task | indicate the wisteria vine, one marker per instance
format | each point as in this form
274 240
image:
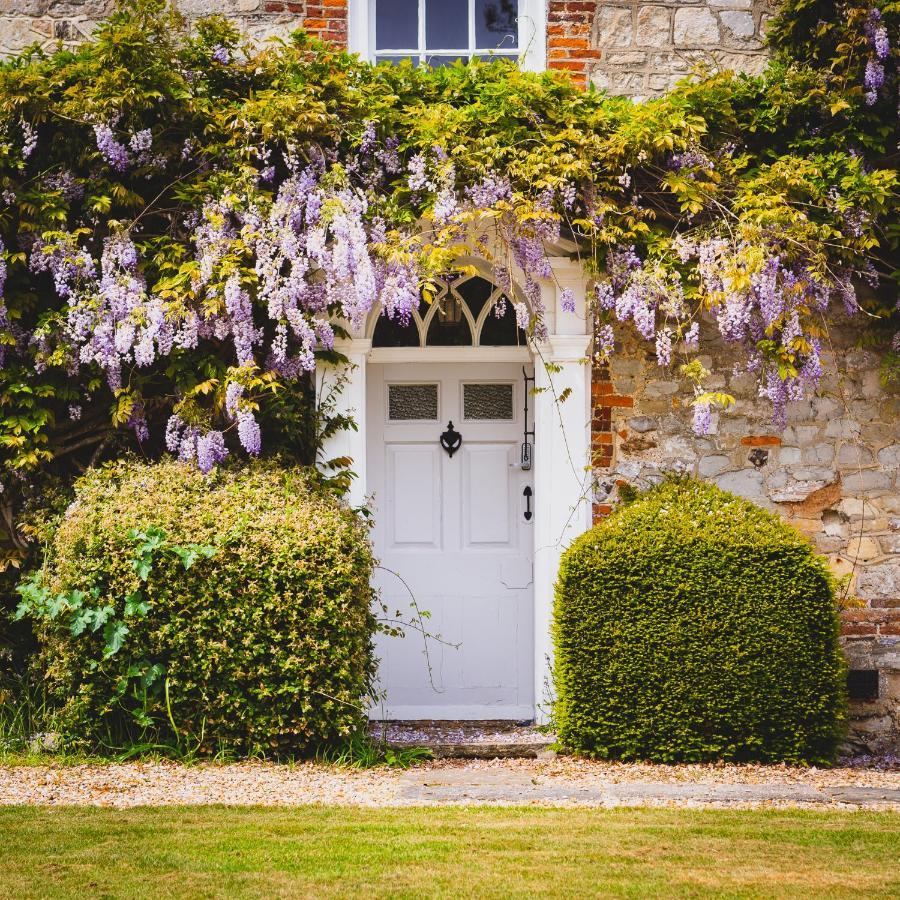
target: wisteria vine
170 242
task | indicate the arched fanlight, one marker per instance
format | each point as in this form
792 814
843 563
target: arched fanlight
462 314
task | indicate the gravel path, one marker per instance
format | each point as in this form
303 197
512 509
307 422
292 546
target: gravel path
555 782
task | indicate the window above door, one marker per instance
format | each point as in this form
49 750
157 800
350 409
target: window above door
468 312
438 32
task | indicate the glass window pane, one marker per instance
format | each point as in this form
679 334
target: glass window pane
449 327
446 24
396 24
493 57
408 402
390 333
502 331
488 401
496 24
437 61
396 59
476 292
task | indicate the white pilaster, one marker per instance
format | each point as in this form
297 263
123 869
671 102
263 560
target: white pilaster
562 490
348 399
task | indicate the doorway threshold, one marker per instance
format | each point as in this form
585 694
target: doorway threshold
467 739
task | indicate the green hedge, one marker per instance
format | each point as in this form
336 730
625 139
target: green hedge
234 607
693 625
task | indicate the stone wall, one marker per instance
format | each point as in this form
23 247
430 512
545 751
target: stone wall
645 47
833 473
24 22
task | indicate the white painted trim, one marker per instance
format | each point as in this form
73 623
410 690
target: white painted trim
562 481
351 402
449 354
533 34
358 28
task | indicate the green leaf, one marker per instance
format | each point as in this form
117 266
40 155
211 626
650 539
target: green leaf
136 605
114 634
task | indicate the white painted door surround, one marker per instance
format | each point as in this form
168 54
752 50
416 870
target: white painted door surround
561 500
454 532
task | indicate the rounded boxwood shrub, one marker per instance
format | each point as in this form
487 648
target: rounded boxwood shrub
228 611
692 625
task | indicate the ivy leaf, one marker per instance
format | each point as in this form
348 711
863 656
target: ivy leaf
136 605
153 674
190 554
80 623
114 635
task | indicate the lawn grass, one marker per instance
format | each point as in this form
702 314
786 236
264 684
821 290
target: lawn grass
445 852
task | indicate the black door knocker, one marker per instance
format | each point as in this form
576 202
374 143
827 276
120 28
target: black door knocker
451 439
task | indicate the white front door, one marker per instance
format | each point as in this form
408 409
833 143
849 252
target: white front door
454 534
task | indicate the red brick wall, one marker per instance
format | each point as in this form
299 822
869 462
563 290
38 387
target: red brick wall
326 19
569 26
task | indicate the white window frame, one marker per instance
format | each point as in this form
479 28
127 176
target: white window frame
531 53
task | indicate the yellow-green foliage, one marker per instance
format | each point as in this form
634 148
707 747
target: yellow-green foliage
263 646
693 625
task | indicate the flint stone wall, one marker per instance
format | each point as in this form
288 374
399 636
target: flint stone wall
646 47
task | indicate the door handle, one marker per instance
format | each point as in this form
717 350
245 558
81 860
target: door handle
527 494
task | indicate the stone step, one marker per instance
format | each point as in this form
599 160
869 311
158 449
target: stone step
495 739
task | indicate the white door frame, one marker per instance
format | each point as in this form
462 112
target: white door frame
562 452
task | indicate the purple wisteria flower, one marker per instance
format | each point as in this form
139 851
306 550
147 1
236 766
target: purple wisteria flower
137 422
489 192
689 159
877 33
567 300
233 394
692 336
417 179
3 313
604 343
174 427
664 347
874 80
211 451
369 138
66 183
29 138
703 421
115 154
249 433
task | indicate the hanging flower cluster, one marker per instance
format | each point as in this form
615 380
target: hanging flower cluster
880 47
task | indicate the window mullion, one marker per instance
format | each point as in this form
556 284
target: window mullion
471 28
422 47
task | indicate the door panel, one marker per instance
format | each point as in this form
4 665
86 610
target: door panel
452 539
487 496
413 496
